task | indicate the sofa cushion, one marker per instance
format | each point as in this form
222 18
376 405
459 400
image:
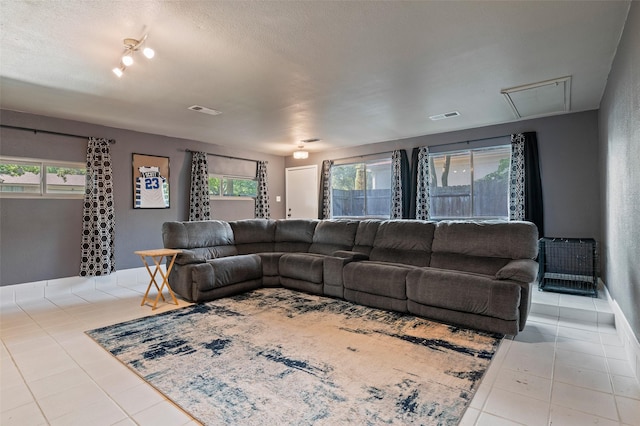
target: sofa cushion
463 262
204 240
188 235
331 236
302 266
294 235
254 235
366 235
236 269
379 278
403 241
509 240
458 291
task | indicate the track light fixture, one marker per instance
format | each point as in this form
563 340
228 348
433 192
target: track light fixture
131 45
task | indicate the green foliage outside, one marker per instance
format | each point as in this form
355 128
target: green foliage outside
350 177
502 174
20 169
234 187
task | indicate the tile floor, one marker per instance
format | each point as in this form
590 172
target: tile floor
567 368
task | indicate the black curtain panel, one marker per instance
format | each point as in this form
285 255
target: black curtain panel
525 192
534 211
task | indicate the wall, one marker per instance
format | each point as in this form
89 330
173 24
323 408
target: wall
619 124
568 149
40 238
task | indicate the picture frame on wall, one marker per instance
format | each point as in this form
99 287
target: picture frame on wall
150 182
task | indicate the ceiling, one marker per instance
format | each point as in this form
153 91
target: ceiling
348 73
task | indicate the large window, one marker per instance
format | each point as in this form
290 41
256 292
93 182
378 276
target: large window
31 178
472 183
361 189
229 186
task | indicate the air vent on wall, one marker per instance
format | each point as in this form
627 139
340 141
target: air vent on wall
445 115
545 97
204 110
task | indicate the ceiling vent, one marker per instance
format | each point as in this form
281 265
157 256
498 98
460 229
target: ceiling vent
445 115
204 110
545 97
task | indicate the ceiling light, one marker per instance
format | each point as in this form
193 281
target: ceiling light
127 60
131 45
300 154
149 52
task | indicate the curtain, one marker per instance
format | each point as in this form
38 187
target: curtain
525 185
325 189
422 184
98 219
199 206
262 197
400 185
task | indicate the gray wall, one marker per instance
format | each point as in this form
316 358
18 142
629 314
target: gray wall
40 239
568 148
619 124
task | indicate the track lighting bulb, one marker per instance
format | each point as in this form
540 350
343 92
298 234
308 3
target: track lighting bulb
127 59
148 52
118 71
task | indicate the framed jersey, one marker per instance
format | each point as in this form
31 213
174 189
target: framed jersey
150 182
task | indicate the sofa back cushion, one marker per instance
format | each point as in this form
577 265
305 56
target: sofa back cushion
482 247
333 235
403 241
254 235
366 235
294 235
206 240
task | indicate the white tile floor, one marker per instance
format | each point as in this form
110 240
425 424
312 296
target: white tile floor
567 368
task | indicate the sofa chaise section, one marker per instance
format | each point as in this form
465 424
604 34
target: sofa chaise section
480 275
209 266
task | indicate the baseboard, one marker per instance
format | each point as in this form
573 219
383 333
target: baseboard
60 286
628 338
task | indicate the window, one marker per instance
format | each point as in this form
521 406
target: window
361 189
230 186
30 178
471 183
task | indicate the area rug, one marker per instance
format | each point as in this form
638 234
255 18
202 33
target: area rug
280 357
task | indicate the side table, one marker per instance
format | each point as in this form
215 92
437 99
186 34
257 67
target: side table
157 256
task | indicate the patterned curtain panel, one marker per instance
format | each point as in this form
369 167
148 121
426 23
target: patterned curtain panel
326 189
98 256
422 184
400 185
516 178
525 191
199 206
262 197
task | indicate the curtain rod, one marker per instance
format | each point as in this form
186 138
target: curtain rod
467 142
362 156
49 132
223 156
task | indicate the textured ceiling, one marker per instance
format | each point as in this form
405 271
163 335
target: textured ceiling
349 73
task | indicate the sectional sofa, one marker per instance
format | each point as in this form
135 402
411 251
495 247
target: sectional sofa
473 274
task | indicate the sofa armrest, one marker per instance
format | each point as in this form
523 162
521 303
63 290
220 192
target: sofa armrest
187 257
333 266
523 270
349 255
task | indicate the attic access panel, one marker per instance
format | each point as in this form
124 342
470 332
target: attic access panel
545 97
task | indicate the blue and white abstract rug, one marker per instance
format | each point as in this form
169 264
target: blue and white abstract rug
281 357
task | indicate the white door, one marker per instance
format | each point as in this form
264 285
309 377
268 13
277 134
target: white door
302 192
